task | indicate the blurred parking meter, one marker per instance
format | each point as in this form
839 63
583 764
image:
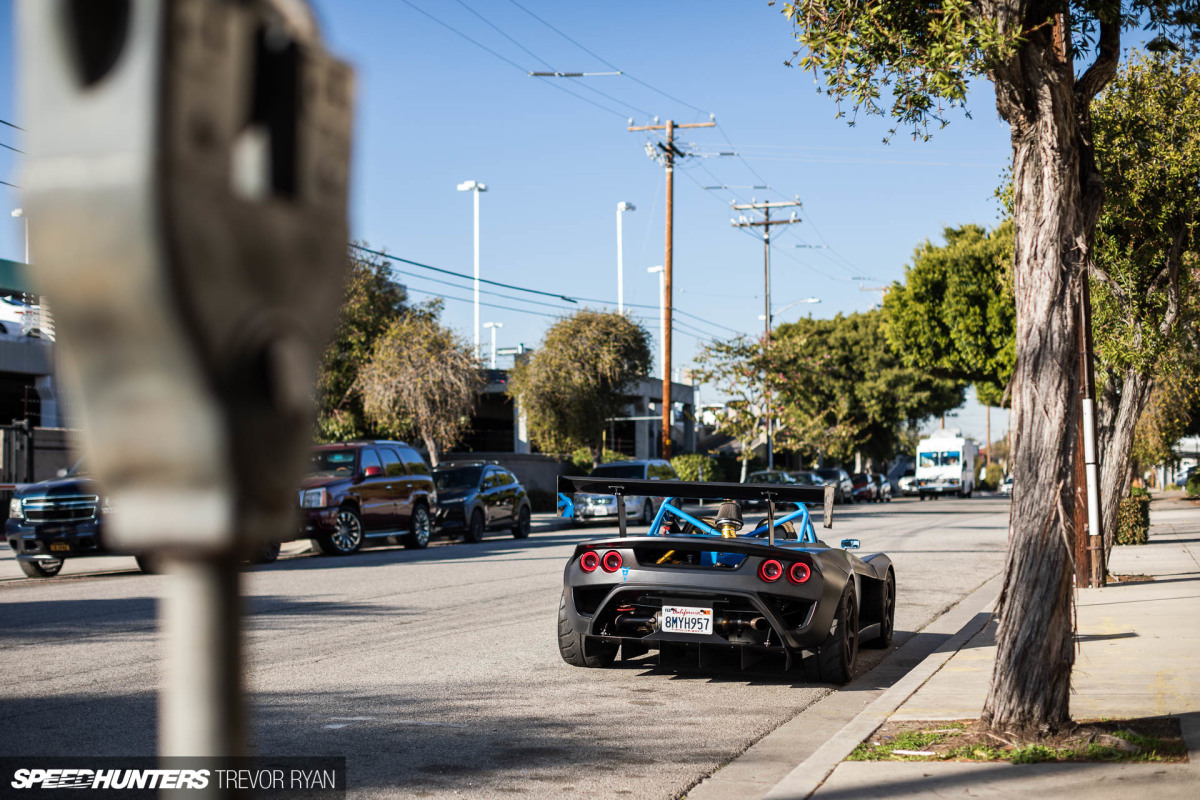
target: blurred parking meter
188 173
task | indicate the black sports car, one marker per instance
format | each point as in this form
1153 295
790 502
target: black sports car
699 589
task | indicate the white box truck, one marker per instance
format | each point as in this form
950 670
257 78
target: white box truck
946 465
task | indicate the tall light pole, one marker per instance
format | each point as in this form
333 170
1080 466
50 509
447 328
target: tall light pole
493 326
785 308
19 213
621 207
660 270
476 187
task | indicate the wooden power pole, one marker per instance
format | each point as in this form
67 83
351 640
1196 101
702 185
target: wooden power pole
668 151
765 223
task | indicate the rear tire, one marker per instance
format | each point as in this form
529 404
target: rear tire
41 568
887 614
835 659
523 526
267 554
579 650
474 530
419 529
647 511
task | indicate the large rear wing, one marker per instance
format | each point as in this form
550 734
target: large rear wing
704 490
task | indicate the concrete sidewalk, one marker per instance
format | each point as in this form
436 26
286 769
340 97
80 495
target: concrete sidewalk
1138 656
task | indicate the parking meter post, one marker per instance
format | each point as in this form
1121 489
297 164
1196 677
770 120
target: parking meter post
202 706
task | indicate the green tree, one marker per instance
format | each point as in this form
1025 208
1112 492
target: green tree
838 388
953 315
1147 125
579 378
735 368
373 301
922 57
422 379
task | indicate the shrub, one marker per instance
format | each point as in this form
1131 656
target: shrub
1133 517
583 461
1193 485
994 475
696 467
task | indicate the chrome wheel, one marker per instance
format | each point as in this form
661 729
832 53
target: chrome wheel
349 534
420 529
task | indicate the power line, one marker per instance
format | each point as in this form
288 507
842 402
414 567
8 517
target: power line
608 63
563 297
9 124
506 59
13 185
10 147
391 257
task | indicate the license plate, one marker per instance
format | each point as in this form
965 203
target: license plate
687 619
60 547
600 512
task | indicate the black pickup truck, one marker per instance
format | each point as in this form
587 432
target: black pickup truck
54 520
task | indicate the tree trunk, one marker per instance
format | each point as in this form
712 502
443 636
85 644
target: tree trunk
1056 205
432 447
1119 418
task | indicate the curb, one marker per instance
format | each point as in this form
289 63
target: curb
819 736
967 618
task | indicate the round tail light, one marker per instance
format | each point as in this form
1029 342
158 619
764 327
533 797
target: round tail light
770 571
589 561
799 572
611 561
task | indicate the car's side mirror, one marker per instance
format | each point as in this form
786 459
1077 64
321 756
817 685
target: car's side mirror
372 472
851 544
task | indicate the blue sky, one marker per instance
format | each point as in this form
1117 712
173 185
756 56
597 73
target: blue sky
435 109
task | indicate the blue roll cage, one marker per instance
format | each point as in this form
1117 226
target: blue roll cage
807 533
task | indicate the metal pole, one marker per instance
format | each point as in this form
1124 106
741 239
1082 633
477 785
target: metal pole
767 327
201 695
666 404
476 193
1092 477
620 263
987 458
494 346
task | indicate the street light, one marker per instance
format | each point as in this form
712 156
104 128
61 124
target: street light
621 206
789 305
662 306
19 213
493 326
476 187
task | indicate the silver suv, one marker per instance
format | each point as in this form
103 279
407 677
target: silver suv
604 506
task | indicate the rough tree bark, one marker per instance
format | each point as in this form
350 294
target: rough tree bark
1058 195
1120 410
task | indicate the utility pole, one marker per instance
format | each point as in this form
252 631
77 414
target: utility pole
765 223
667 152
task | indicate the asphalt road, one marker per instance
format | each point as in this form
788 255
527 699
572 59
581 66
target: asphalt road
437 672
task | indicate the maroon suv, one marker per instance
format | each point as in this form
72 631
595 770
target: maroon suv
366 490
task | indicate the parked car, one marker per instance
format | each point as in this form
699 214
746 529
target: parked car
476 496
604 506
806 477
1006 486
908 483
865 489
840 480
767 476
883 488
359 491
54 520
